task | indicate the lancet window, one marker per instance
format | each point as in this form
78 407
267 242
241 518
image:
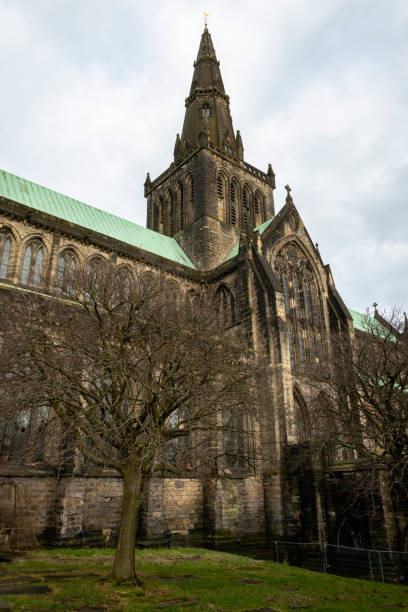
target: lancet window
238 437
5 250
233 202
94 275
246 208
190 184
221 198
225 305
220 186
32 267
180 203
160 212
124 281
26 435
67 265
258 209
302 307
169 216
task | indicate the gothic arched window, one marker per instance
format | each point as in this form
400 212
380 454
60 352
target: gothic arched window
221 198
66 271
225 305
124 282
32 264
235 446
228 146
302 306
246 208
258 209
94 277
160 212
180 202
220 186
5 250
169 214
233 202
190 183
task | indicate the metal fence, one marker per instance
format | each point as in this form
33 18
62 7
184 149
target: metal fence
380 565
364 563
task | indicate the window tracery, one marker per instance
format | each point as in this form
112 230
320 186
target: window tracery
5 250
302 307
94 275
124 282
32 264
66 271
238 441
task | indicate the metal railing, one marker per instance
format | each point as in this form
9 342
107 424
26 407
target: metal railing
365 563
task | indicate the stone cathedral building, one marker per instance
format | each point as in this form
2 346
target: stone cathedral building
210 218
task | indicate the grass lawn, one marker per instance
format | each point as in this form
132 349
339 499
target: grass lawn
183 579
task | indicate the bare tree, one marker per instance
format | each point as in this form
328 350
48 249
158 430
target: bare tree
360 410
129 367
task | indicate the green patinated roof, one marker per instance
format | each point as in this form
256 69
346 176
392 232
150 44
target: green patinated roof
359 320
233 252
61 206
261 228
366 323
235 249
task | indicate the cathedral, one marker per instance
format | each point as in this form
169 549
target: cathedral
210 219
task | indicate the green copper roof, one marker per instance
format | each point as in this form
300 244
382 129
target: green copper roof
235 249
366 323
233 252
261 228
359 320
61 206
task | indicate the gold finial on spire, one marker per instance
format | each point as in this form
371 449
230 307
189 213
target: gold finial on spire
205 18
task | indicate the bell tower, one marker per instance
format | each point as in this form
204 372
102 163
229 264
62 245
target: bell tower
209 195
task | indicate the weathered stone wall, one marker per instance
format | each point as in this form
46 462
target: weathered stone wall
173 504
242 504
27 508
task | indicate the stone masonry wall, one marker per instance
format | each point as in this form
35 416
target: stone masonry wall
27 508
174 504
242 506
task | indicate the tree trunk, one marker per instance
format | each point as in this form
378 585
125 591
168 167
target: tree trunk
124 566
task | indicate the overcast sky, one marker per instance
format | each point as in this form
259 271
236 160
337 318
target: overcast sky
92 95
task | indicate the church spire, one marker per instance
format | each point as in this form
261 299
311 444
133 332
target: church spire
207 72
207 107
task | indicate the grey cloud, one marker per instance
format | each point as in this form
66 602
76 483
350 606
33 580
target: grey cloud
92 98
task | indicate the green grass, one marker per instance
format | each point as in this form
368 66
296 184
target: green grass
188 579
